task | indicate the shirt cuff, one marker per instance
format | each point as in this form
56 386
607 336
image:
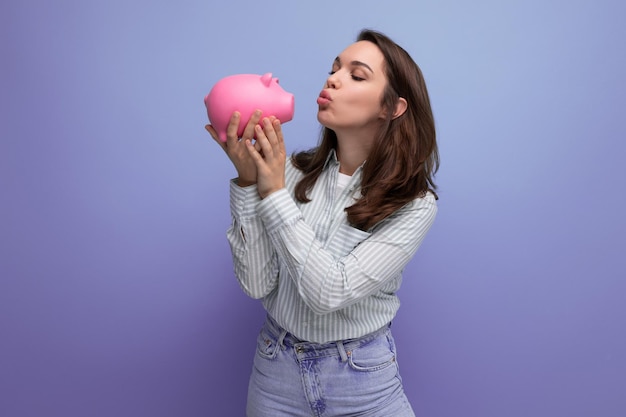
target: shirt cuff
243 200
278 209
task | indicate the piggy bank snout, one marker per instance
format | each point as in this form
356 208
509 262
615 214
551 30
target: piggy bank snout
284 108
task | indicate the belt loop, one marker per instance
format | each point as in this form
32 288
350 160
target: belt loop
342 351
281 339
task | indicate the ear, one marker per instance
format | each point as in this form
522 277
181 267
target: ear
400 108
398 111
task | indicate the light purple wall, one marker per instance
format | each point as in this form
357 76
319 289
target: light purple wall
117 296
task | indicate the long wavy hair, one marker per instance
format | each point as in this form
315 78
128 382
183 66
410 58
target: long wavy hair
404 158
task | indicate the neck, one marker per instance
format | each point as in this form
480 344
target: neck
352 151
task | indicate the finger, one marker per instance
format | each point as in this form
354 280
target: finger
278 128
231 129
267 140
215 136
262 141
211 131
268 130
248 132
254 154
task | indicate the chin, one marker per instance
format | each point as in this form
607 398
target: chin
323 118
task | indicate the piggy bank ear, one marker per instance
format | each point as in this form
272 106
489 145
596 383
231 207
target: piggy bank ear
266 79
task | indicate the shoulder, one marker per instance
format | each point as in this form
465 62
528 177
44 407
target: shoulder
407 227
426 202
419 212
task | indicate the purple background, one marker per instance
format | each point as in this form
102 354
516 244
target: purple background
117 296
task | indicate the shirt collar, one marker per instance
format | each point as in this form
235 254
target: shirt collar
331 160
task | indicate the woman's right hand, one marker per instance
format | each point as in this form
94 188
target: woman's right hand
235 147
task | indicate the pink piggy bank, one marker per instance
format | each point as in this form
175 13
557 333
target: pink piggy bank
245 93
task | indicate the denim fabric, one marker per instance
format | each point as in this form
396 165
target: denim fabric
357 377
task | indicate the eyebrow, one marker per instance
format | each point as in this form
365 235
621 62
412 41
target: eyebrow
356 63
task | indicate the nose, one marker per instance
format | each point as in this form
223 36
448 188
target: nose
332 81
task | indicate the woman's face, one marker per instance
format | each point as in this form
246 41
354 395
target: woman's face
352 96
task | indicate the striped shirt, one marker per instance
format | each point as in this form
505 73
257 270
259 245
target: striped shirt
319 278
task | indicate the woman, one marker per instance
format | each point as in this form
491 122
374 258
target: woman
322 238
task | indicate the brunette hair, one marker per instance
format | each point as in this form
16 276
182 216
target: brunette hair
404 157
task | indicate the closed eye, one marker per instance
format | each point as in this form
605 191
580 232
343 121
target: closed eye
354 77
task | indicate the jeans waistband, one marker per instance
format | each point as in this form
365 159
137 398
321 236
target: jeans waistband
342 347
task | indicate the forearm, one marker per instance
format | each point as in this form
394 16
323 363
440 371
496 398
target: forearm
254 260
329 278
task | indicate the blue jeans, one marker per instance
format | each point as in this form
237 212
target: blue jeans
356 377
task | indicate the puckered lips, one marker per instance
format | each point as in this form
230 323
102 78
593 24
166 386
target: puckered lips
324 98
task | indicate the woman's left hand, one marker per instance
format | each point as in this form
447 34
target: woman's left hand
270 161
